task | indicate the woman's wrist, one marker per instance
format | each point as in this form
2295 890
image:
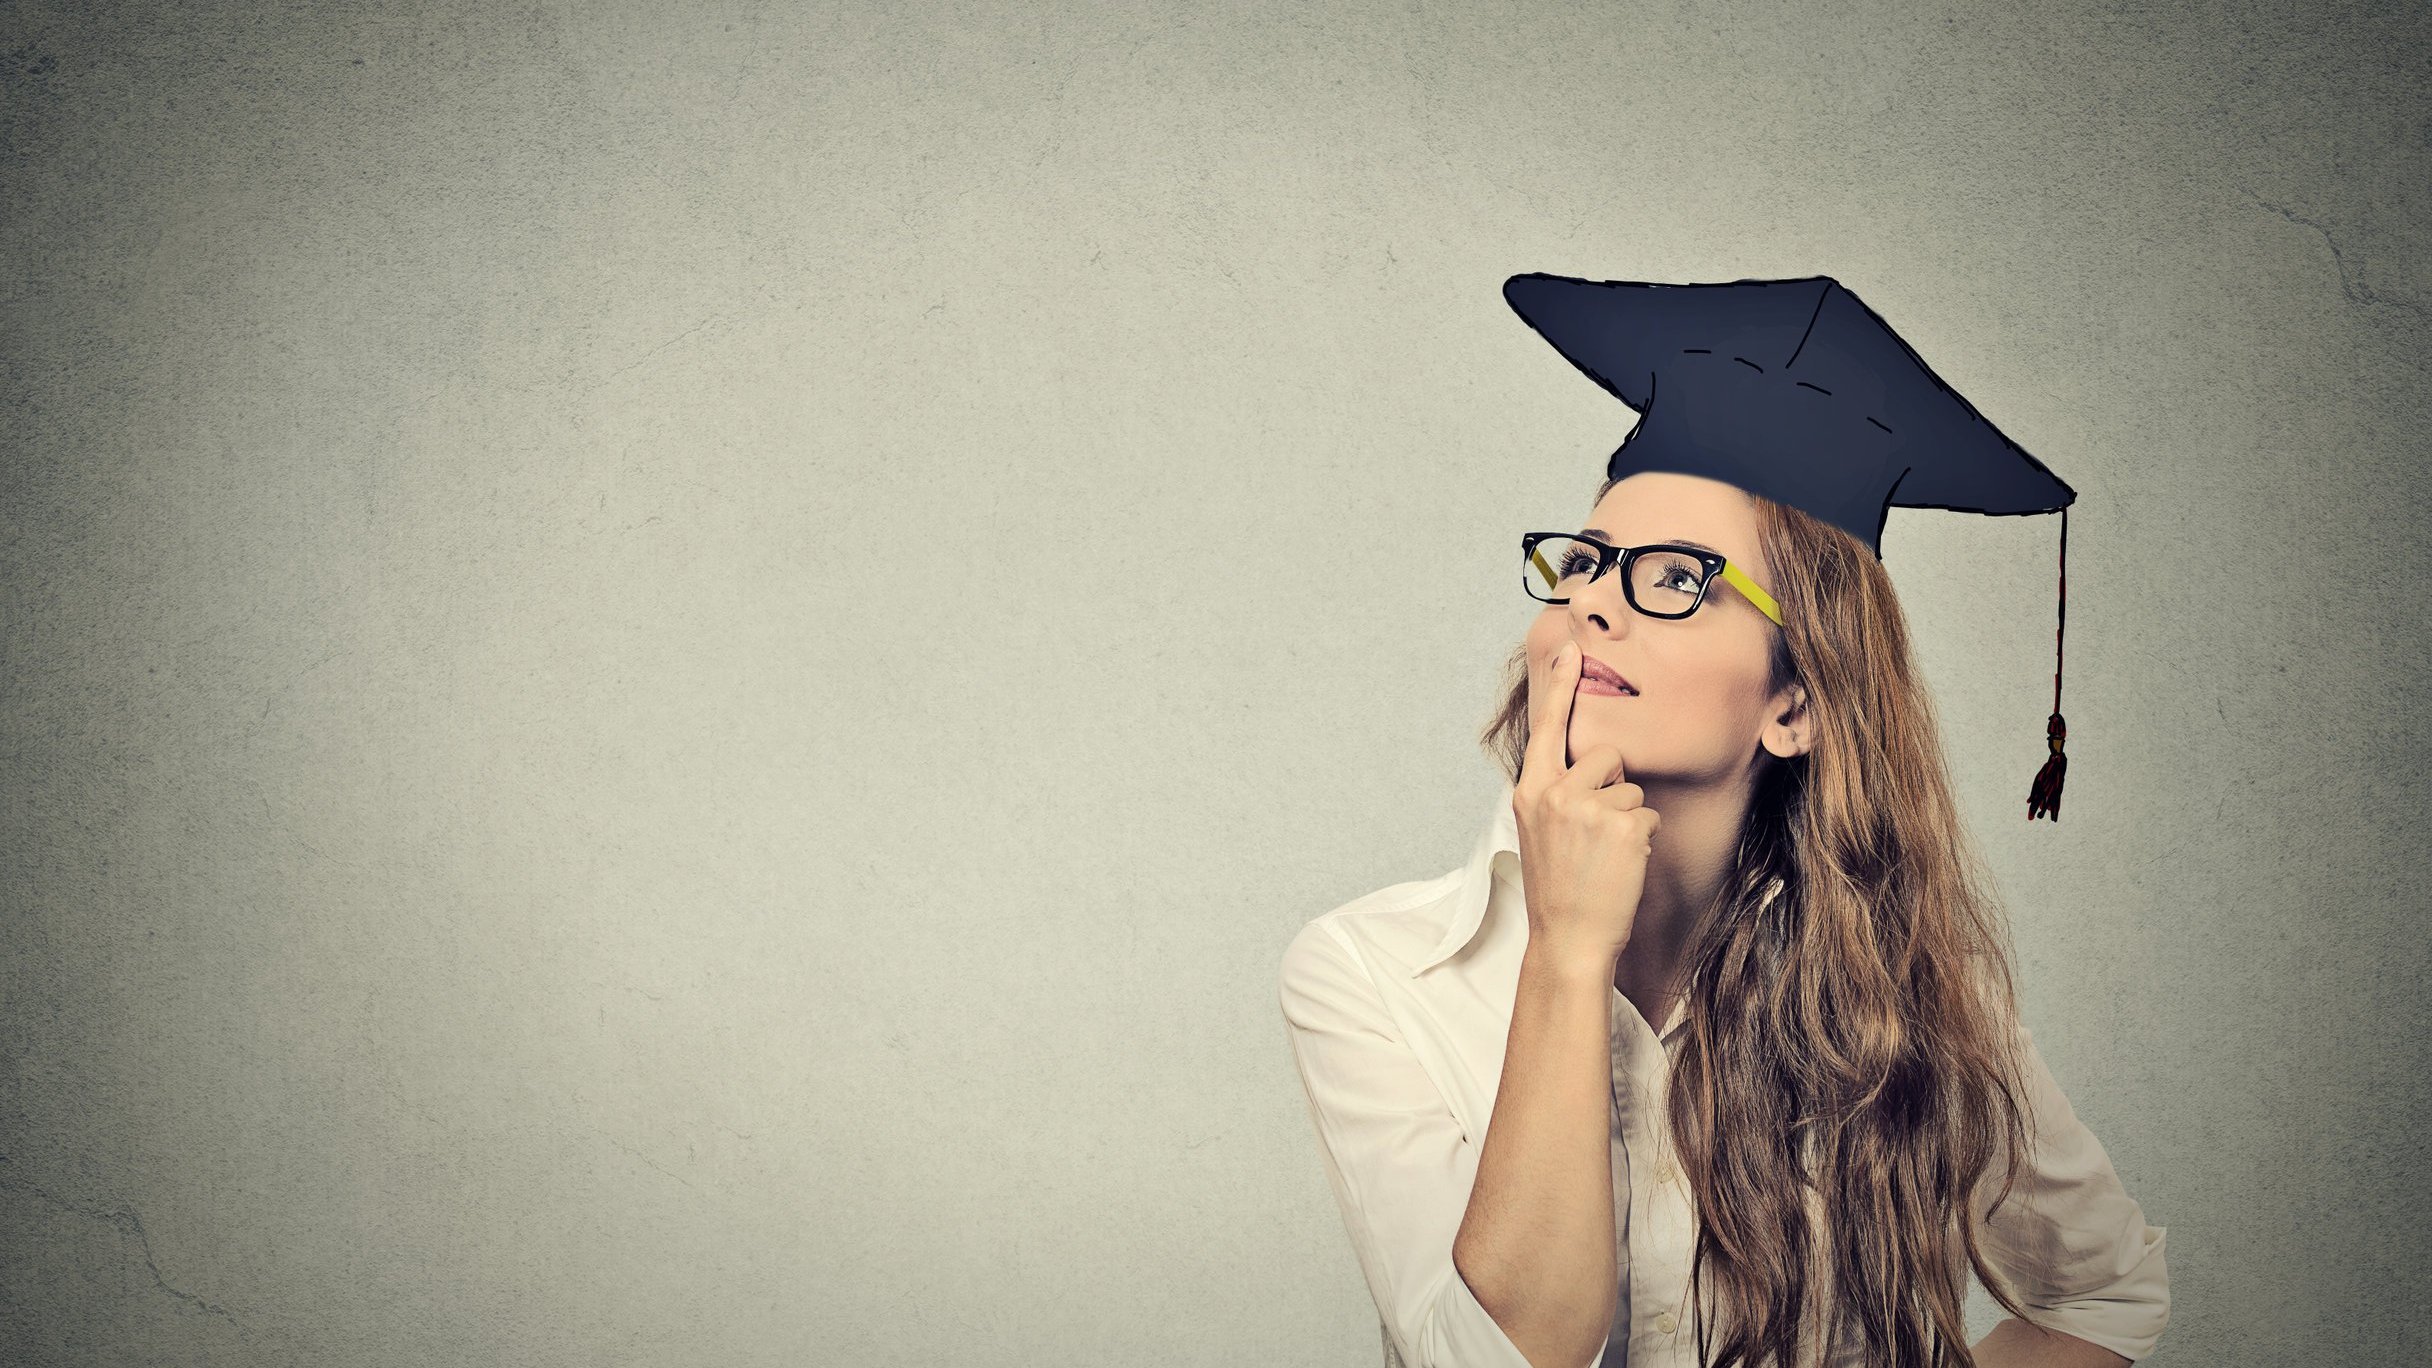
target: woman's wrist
1568 966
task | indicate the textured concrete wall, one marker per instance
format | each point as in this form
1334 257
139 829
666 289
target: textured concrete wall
673 671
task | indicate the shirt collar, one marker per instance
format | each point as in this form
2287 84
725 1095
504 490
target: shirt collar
1499 840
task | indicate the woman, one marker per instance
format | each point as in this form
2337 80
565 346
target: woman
1710 1054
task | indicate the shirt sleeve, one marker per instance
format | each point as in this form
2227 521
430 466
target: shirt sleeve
2070 1239
1400 1168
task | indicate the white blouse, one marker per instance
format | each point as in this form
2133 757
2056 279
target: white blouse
1398 1005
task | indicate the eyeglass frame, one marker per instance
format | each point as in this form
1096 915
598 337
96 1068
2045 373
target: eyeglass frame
1608 555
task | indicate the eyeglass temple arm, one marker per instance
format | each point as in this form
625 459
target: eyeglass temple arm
1537 558
1764 601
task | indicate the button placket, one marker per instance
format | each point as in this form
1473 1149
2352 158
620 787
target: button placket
1658 1230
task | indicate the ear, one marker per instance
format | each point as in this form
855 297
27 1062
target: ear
1791 730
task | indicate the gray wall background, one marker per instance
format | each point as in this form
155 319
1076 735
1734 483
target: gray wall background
673 672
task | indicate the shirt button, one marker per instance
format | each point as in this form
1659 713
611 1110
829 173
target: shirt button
1663 1172
1665 1322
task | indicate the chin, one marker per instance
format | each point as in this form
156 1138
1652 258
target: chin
1585 739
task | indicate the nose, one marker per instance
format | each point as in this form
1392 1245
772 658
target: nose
1602 606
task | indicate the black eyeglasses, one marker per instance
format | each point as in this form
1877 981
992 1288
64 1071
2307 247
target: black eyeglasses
1665 580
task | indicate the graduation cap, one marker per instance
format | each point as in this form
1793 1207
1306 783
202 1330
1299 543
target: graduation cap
1796 390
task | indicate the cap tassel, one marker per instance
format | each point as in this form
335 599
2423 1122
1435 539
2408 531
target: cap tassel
2043 800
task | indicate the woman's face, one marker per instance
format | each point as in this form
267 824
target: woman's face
1702 706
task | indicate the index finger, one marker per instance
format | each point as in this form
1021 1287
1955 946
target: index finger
1549 728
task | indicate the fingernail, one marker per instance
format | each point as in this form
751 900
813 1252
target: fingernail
1569 648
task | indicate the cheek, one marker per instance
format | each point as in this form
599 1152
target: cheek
1711 694
1546 635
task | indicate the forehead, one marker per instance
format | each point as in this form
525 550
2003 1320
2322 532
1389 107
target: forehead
1658 505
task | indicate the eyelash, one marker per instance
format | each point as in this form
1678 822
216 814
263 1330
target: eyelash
1577 561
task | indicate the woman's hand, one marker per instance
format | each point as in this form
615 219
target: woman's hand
1584 835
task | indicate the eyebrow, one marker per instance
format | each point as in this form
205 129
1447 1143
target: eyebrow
1607 538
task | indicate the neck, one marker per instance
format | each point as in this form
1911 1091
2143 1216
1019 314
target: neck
1691 859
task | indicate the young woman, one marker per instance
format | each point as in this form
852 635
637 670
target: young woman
1710 1054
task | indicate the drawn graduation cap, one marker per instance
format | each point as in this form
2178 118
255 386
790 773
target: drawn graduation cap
1795 390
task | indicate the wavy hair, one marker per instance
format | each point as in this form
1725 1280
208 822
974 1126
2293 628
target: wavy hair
1848 1074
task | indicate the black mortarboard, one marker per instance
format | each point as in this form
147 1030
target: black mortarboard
1795 390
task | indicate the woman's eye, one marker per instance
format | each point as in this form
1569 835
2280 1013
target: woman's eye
1680 579
1577 563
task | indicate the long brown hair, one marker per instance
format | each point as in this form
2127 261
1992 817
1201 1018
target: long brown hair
1848 1040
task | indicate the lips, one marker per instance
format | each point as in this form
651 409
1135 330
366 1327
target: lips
1592 668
